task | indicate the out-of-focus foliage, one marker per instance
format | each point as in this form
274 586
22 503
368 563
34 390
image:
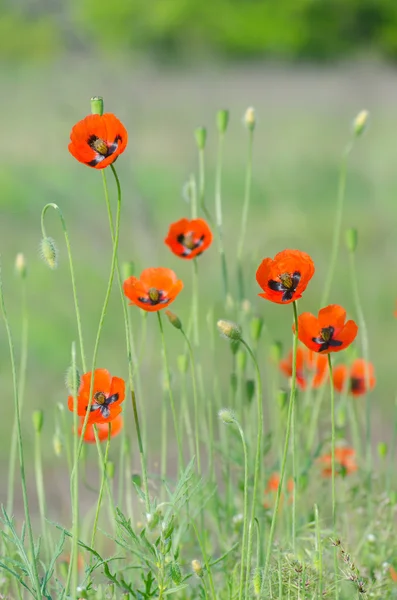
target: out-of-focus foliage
185 29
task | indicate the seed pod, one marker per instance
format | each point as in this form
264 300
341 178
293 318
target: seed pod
201 137
351 239
222 120
97 105
38 418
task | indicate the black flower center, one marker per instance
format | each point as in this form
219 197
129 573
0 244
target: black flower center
102 402
154 296
190 242
102 148
325 339
357 384
287 284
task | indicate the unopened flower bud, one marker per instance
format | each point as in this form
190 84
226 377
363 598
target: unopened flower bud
222 120
20 265
241 360
57 444
38 418
174 319
282 399
227 416
249 118
183 363
341 416
110 469
360 123
257 582
250 389
128 269
229 330
276 350
197 568
382 449
72 380
351 239
49 252
97 105
234 346
175 573
201 137
256 326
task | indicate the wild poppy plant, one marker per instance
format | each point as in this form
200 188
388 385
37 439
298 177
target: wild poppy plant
155 289
102 429
329 332
98 140
345 462
189 238
285 278
107 394
311 368
357 379
272 487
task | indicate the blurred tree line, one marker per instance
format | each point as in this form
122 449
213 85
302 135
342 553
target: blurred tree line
184 29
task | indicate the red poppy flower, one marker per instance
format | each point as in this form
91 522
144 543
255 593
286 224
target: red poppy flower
393 574
328 332
102 429
107 395
272 487
345 462
98 140
357 379
311 368
155 289
189 239
285 278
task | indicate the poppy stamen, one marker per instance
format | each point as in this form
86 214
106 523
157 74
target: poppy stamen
325 339
154 295
189 242
102 403
100 398
287 284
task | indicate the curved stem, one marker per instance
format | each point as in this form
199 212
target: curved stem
35 575
195 401
258 462
338 223
103 479
218 214
72 275
245 517
286 445
170 393
244 216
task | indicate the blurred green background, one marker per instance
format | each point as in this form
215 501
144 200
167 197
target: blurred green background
164 68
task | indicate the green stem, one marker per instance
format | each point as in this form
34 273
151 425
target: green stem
245 517
129 343
338 223
35 575
258 460
202 186
218 214
170 393
21 393
286 443
206 562
319 553
103 479
333 471
195 401
41 494
244 217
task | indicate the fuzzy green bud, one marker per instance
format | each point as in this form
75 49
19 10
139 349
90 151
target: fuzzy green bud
249 118
201 137
197 568
257 582
72 380
341 416
360 123
227 416
222 120
256 326
38 418
49 252
282 399
128 269
97 105
57 444
382 449
351 239
183 363
174 319
241 360
110 469
20 265
229 330
276 351
250 389
175 573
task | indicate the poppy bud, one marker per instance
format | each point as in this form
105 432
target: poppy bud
249 118
227 416
382 449
276 351
126 445
127 269
20 265
72 380
229 330
57 444
222 120
351 239
201 137
256 326
49 252
110 469
175 573
282 398
360 123
38 418
197 568
241 360
183 363
257 582
250 389
341 416
174 319
97 105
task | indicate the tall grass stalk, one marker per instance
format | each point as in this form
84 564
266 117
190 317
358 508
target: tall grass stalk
334 511
244 216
